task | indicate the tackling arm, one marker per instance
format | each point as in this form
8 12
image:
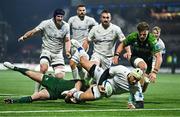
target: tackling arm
128 53
152 75
118 52
157 62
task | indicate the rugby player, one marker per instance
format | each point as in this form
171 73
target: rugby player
80 25
54 32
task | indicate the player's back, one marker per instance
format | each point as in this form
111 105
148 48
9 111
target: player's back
119 81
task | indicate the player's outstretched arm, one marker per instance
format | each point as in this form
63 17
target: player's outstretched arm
28 34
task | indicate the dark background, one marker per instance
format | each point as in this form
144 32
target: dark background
19 16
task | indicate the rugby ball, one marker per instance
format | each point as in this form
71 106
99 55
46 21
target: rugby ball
108 88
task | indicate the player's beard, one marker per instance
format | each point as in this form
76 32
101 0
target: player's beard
105 24
81 16
142 39
58 23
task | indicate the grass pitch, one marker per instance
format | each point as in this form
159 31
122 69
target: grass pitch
161 99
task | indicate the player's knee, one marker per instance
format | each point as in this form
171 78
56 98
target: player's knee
72 64
143 66
140 63
59 72
43 68
60 75
44 64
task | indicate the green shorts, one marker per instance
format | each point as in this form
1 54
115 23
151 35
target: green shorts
56 86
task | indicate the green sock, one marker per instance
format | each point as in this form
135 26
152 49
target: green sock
22 70
27 99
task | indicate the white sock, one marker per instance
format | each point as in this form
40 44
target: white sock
77 95
37 87
75 73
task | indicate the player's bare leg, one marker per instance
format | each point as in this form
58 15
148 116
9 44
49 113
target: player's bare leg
36 76
59 71
44 64
145 81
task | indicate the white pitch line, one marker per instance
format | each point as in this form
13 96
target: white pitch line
104 110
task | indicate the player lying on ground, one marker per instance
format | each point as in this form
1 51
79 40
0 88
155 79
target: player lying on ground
53 86
117 85
114 80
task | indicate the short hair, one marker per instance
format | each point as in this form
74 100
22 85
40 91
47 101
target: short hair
58 12
142 26
81 5
157 28
105 11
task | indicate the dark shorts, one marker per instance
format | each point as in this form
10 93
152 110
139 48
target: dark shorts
56 86
148 62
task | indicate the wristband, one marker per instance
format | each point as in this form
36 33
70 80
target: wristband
116 54
154 72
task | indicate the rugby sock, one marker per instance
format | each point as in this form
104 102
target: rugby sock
21 70
37 87
77 95
27 99
75 73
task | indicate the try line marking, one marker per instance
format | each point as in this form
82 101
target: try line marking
104 110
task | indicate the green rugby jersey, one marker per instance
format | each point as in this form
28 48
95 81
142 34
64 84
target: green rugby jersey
140 49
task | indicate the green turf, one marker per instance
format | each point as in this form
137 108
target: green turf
161 99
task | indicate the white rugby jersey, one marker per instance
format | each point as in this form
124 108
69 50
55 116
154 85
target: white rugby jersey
52 37
80 27
119 81
162 46
104 39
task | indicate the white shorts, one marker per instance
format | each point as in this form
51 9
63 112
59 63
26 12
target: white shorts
104 62
53 59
